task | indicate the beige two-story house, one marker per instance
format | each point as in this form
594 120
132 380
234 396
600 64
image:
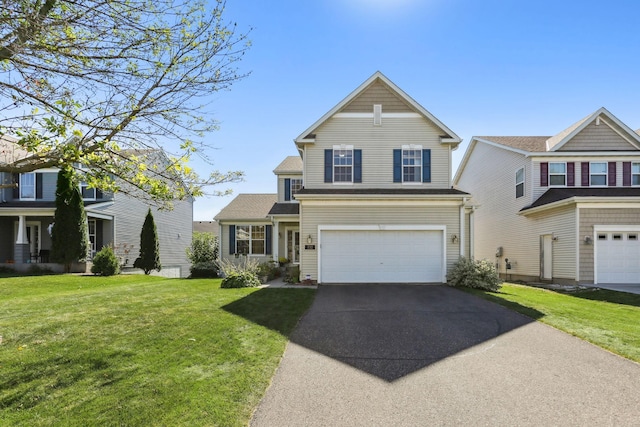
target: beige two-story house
368 200
563 208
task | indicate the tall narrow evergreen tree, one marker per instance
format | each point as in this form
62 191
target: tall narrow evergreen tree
149 258
69 238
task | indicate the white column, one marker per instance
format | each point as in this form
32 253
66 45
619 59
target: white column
22 231
461 241
275 240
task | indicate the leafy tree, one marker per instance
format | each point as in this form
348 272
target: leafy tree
149 258
69 238
204 248
97 83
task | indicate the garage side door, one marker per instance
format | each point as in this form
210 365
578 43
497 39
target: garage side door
381 256
618 257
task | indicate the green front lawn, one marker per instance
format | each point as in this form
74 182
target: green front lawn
138 350
606 318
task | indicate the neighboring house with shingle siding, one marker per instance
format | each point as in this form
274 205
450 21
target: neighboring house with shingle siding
27 213
564 208
368 199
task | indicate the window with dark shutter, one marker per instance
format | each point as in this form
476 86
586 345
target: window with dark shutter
626 174
357 165
426 165
287 189
612 174
397 165
584 173
571 174
232 239
268 231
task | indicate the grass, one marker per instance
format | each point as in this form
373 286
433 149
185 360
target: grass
138 350
605 318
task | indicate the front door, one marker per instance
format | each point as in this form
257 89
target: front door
293 246
546 257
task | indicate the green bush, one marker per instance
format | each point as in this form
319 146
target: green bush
204 248
474 274
206 269
105 262
292 275
268 270
240 279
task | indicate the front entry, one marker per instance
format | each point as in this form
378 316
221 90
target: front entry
293 246
546 257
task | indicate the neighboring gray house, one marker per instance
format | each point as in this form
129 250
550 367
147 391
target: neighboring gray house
563 208
368 199
27 211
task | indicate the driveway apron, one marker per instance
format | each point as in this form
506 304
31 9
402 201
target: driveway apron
407 355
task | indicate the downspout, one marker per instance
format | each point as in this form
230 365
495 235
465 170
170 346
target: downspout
462 227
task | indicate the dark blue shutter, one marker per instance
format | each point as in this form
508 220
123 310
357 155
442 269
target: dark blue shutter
426 165
287 189
268 231
357 165
232 239
397 165
328 165
38 186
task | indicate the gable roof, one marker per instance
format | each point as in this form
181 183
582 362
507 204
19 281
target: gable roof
248 207
449 137
556 142
291 164
524 143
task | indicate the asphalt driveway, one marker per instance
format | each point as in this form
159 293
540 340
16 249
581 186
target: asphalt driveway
378 355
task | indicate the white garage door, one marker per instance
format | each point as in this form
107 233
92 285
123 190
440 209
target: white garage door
618 257
381 256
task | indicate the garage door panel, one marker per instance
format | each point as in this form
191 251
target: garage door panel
618 255
362 256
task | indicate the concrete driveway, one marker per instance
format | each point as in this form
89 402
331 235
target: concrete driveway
407 355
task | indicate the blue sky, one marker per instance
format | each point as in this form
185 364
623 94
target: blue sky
510 67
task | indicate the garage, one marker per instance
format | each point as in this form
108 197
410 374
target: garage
617 254
381 255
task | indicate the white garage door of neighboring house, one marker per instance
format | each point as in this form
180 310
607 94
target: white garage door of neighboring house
381 256
617 256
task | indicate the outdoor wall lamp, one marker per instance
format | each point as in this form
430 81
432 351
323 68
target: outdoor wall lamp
588 240
309 239
454 238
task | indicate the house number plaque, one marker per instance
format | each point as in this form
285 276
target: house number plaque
310 247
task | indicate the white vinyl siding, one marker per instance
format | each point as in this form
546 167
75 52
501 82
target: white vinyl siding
597 138
377 144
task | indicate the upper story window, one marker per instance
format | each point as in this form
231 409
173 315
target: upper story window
598 173
295 186
343 165
558 174
412 164
250 239
28 186
520 182
635 174
87 193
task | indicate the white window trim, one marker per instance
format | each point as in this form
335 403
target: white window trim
291 193
84 184
35 184
333 166
410 147
521 182
557 174
250 254
606 174
636 174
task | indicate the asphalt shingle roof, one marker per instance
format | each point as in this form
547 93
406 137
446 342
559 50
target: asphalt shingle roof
553 195
285 209
525 143
248 206
291 164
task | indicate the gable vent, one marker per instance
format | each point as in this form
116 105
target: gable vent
377 114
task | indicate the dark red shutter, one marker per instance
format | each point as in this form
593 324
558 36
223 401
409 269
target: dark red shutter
571 174
626 174
584 166
611 172
544 174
